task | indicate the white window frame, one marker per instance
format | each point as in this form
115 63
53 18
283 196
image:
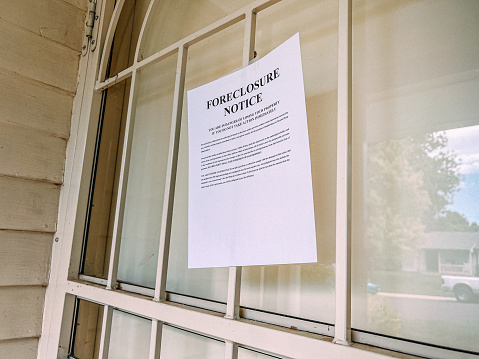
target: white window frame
233 327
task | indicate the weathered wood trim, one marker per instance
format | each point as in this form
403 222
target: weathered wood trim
26 153
37 57
21 311
54 20
28 205
25 348
31 104
24 258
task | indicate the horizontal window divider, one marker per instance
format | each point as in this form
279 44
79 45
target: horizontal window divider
282 320
111 81
287 321
214 306
250 333
91 279
361 337
136 289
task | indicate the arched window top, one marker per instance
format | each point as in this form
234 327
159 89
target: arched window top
144 31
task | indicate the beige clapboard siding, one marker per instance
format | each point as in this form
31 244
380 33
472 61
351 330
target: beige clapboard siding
24 258
21 311
81 4
38 58
25 348
31 104
28 205
31 154
40 42
52 19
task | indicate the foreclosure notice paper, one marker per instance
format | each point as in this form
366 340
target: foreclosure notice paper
250 193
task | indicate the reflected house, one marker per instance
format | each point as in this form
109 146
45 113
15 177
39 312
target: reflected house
452 253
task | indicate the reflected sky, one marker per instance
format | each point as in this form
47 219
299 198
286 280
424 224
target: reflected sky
465 143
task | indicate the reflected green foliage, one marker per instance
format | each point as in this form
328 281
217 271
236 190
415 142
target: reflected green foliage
440 174
410 181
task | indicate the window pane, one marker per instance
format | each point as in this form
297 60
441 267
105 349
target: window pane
99 226
305 290
87 334
416 170
174 20
126 35
147 174
130 336
180 344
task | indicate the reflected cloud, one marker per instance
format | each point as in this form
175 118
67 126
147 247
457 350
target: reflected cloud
463 141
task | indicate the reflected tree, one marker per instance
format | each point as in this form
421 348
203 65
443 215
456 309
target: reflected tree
410 181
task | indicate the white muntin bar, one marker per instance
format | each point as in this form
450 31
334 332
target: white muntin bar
122 186
155 339
109 39
105 332
261 336
145 25
168 198
343 182
231 350
234 276
233 297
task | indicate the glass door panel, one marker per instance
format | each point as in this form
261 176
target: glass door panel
415 170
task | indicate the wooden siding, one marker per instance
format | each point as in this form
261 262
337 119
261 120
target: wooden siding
27 257
21 312
81 4
41 18
38 58
29 154
31 104
25 348
40 43
28 205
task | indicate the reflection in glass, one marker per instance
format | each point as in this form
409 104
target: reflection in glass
415 168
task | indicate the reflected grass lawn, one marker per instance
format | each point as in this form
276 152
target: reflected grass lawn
409 283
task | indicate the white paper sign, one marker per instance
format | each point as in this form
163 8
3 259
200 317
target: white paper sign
250 198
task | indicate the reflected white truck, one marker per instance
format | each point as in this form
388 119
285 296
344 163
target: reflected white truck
466 289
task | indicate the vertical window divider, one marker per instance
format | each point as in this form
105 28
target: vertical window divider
105 332
122 186
231 350
169 196
155 339
343 184
234 275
